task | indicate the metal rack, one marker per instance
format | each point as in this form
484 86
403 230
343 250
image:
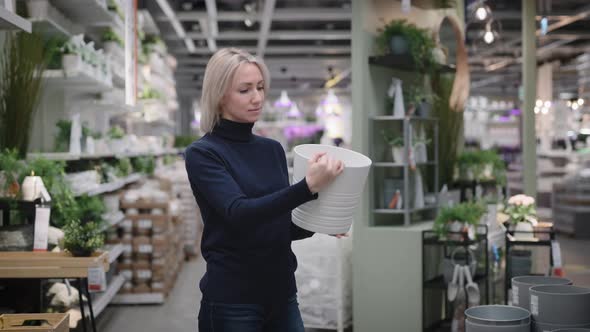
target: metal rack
431 238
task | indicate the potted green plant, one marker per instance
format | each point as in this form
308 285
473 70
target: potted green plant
116 136
459 221
397 146
10 169
124 167
72 59
522 216
399 37
81 239
62 138
111 41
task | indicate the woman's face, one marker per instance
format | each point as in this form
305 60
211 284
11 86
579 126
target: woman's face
245 96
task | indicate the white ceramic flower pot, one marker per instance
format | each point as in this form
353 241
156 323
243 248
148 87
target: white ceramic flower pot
524 227
38 8
397 154
72 64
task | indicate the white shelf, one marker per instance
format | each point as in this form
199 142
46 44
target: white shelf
52 23
113 219
65 156
82 81
111 186
11 21
390 164
146 298
87 12
114 251
103 299
108 107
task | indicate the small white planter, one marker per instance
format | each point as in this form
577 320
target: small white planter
397 154
72 64
524 227
38 8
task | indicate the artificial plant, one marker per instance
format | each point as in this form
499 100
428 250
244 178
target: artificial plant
420 42
468 213
83 238
392 139
22 62
450 126
62 139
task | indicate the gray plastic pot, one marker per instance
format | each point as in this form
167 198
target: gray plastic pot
560 304
546 327
571 330
521 286
475 327
498 315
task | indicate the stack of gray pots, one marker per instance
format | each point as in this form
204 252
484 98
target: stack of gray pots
521 286
555 307
497 318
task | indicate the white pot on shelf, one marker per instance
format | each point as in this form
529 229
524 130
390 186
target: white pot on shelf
524 227
38 8
397 153
72 64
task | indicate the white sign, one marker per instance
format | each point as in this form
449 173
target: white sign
41 228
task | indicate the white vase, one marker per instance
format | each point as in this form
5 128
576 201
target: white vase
38 8
420 151
398 154
524 227
418 191
71 64
395 91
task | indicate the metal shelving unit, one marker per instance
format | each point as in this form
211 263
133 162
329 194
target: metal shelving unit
407 129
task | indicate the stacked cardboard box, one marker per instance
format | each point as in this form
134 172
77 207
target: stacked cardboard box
153 252
175 180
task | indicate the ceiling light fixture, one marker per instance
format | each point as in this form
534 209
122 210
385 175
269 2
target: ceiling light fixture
283 100
544 25
580 101
482 12
248 22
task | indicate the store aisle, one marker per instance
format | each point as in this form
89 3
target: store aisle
178 314
576 259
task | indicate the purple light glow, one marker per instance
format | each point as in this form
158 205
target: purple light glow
516 112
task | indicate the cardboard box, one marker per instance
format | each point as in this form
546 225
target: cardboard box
55 323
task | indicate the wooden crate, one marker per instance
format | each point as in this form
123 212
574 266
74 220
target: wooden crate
58 322
28 264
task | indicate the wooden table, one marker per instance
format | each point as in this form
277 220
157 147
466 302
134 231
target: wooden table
52 265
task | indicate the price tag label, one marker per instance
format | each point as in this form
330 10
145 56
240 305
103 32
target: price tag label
144 223
128 274
145 249
556 252
515 299
41 228
97 280
127 248
535 305
127 224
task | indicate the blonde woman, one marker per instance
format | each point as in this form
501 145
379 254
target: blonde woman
241 185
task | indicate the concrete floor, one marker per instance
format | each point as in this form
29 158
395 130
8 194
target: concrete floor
179 313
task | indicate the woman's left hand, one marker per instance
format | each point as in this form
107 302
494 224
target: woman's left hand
339 236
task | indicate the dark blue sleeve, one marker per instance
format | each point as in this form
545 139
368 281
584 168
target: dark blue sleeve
208 175
297 233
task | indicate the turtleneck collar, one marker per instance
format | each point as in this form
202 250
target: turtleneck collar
235 131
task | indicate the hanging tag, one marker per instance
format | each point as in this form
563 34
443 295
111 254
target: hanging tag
97 280
556 252
406 6
41 227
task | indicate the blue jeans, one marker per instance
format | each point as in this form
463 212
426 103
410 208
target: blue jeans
221 317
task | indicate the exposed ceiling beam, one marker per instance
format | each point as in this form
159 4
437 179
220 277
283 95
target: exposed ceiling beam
212 24
265 21
276 35
282 14
280 50
540 52
343 60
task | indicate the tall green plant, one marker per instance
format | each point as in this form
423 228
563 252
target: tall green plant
450 131
22 62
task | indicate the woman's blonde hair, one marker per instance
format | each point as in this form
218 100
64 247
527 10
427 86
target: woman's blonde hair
219 74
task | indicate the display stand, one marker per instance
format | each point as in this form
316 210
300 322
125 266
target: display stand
434 287
544 238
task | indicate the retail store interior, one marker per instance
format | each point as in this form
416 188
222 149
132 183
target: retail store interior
475 115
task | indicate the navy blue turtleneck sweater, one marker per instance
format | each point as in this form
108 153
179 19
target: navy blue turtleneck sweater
241 185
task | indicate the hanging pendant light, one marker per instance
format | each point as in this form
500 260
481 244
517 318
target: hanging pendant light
283 100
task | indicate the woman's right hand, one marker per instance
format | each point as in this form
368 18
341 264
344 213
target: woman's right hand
321 171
